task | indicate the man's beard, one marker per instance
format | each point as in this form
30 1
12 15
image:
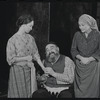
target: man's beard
52 57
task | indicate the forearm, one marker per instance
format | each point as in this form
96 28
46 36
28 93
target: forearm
74 50
96 54
79 57
37 58
19 59
40 63
74 53
63 78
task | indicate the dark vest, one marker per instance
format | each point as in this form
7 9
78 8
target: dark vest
57 67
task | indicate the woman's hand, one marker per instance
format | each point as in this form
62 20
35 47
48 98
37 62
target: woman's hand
85 60
30 64
91 59
29 58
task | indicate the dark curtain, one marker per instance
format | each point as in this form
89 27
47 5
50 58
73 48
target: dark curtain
63 22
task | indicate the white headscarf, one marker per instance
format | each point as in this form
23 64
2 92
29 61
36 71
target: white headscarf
89 20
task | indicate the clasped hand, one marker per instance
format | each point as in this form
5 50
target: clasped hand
85 60
42 78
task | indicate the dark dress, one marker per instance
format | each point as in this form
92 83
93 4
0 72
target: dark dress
86 84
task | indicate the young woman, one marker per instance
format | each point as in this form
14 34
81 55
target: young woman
85 51
21 50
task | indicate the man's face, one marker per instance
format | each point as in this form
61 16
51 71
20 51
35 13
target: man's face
51 50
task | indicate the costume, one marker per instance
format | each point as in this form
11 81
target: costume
65 67
22 79
86 84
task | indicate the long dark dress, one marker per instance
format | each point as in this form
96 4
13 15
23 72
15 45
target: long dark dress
87 83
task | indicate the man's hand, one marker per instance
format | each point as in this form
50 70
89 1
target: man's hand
49 70
42 78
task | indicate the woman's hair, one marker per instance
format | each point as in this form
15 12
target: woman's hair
24 19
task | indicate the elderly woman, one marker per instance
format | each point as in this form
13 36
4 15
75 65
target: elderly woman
85 51
21 52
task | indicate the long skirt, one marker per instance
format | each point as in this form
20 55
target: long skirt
87 80
20 83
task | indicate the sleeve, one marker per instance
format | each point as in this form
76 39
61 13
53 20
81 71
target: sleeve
35 53
96 55
74 50
68 74
10 52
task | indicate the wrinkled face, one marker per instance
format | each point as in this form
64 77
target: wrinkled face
28 27
51 50
83 26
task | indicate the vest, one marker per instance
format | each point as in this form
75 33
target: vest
57 67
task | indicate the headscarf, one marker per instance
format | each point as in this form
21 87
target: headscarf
89 20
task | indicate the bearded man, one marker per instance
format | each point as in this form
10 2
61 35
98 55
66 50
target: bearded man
59 75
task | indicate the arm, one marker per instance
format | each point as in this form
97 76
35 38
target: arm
10 51
36 55
20 59
40 63
96 55
74 50
68 74
79 57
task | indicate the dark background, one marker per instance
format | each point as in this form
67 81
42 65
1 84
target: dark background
54 21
